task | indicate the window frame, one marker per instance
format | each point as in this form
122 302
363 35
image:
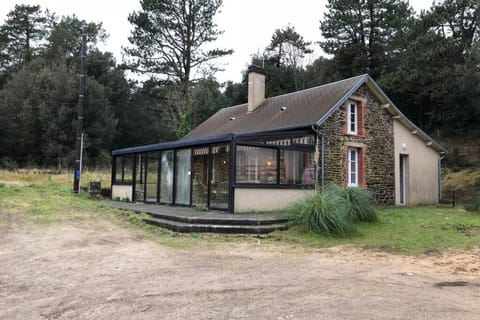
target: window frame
276 183
349 117
126 176
353 182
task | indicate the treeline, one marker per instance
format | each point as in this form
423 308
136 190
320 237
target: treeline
428 63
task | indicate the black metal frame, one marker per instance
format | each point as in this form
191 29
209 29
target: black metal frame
273 186
191 177
134 174
115 170
247 139
161 152
174 191
209 170
159 172
174 182
277 183
142 178
146 176
209 174
230 193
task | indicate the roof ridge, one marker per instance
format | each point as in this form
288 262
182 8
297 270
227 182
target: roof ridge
299 91
317 87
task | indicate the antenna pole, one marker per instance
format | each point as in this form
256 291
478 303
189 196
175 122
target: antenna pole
81 103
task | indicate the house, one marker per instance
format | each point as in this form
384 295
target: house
268 153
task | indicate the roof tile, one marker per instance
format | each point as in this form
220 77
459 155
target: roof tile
303 108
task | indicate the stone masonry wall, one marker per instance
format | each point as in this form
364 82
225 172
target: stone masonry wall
377 144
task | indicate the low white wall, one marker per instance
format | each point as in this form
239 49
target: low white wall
255 200
122 191
422 171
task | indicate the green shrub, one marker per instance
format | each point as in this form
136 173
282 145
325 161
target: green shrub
324 212
333 210
361 205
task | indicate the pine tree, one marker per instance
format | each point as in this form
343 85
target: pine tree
21 36
169 39
363 35
169 44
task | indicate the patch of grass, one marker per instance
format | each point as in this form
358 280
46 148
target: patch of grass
43 200
410 231
46 199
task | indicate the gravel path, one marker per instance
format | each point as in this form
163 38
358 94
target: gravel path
97 270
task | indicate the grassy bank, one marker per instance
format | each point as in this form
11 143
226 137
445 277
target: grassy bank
465 183
44 198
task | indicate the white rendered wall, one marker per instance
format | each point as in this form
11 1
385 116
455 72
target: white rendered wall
122 192
256 199
422 171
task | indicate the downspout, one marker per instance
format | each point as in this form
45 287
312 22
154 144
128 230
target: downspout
440 177
322 159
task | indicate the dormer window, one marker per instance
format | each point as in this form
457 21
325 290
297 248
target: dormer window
352 118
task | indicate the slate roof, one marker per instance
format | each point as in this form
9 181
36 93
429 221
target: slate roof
303 109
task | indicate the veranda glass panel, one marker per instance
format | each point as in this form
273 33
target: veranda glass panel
152 177
220 181
182 176
256 165
296 167
118 169
128 169
166 177
200 177
140 178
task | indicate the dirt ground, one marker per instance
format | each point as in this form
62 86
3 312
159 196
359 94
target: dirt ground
97 270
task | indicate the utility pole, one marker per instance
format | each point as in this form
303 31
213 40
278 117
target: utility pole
81 102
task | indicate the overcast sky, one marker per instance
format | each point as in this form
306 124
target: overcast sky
248 24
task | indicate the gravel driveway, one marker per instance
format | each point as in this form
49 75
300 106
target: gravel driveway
98 270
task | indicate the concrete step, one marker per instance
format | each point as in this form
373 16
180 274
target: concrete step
226 219
179 226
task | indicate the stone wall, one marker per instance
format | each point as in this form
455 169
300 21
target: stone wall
376 141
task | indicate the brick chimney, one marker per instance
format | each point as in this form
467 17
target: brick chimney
256 87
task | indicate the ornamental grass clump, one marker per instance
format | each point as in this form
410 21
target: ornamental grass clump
333 210
361 205
323 212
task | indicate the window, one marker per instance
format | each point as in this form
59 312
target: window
297 167
256 165
252 170
276 166
352 165
151 176
123 166
140 177
182 176
118 163
352 118
220 178
166 177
